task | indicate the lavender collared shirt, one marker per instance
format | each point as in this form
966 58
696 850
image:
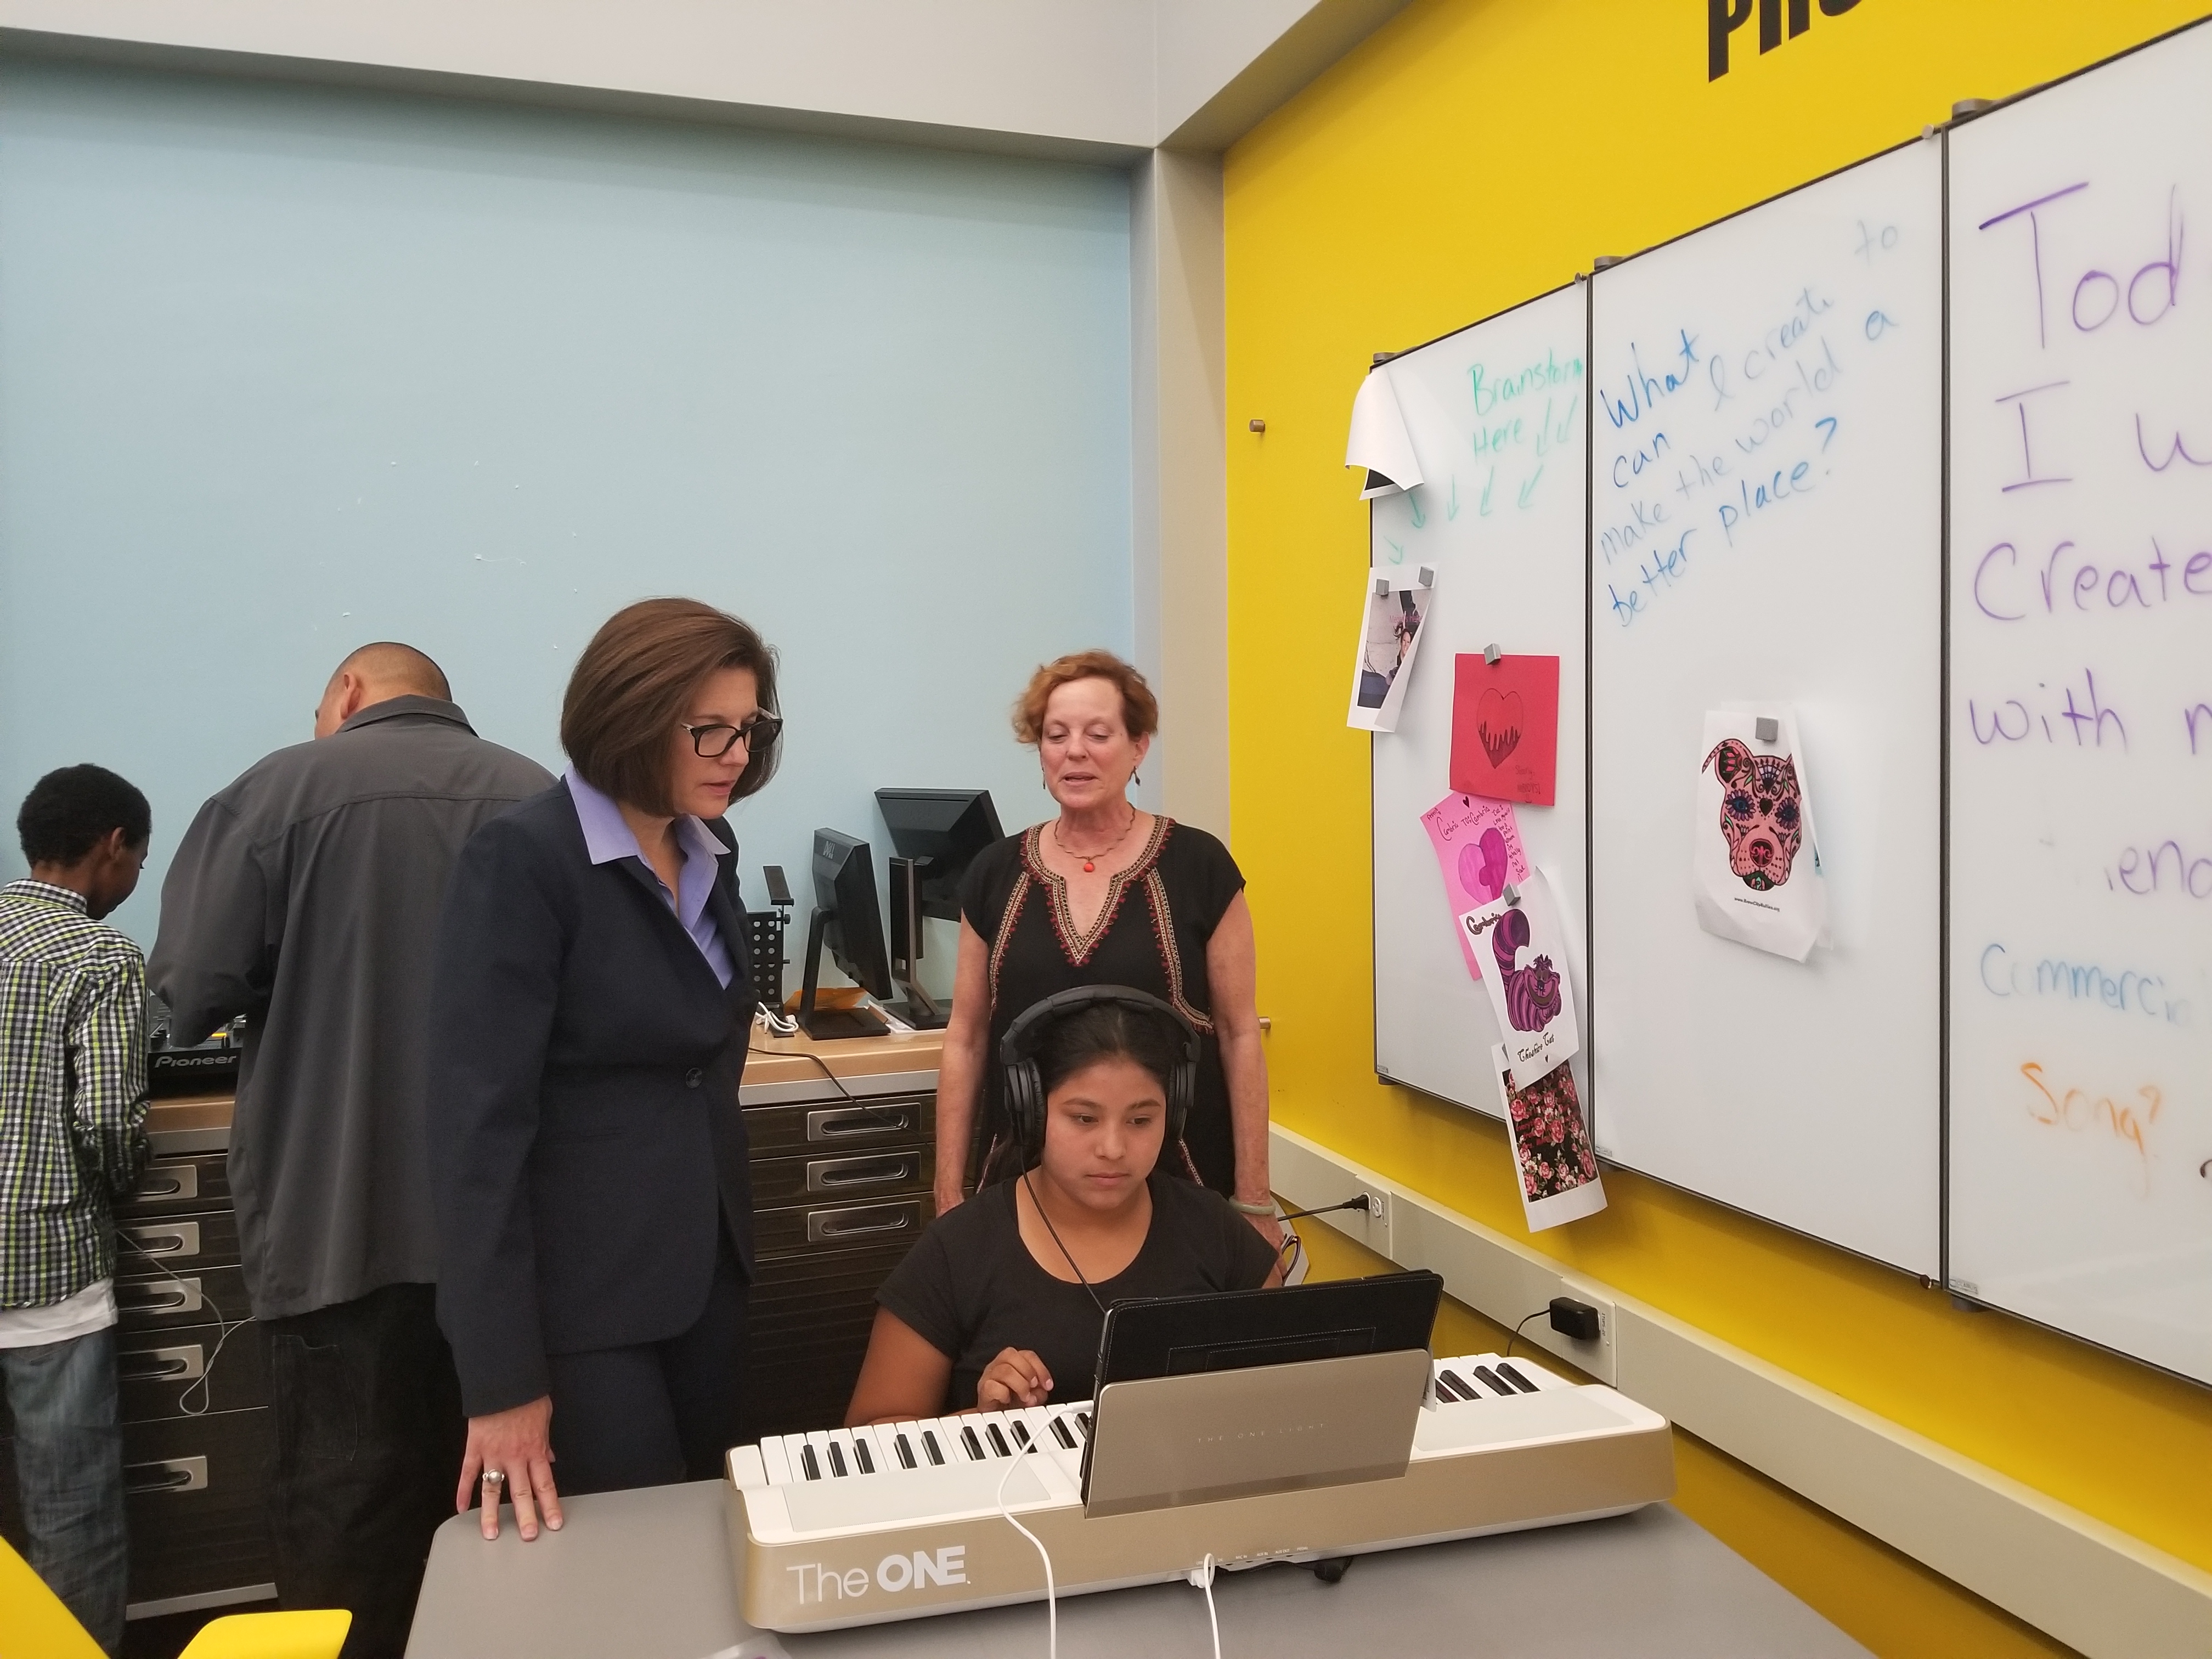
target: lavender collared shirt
608 838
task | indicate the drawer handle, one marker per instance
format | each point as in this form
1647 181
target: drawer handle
162 1364
169 1181
170 1475
837 1122
163 1297
161 1239
825 1225
828 1174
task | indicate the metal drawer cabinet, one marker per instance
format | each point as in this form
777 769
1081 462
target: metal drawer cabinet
196 1491
208 1238
848 1177
839 1224
191 1371
196 1296
195 1500
173 1184
870 1123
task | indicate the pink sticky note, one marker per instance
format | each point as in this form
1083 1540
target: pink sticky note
1479 849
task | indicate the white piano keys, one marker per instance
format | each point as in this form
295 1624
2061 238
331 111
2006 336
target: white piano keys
775 1462
747 1467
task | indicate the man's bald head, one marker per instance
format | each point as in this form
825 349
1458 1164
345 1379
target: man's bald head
376 673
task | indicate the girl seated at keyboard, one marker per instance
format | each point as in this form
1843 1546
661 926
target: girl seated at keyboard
1001 1301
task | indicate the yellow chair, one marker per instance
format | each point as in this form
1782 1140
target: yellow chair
35 1625
318 1635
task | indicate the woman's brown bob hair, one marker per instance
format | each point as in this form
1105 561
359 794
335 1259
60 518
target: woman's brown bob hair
635 681
1141 709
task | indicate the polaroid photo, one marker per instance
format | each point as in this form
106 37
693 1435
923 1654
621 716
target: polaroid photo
1392 609
1552 1150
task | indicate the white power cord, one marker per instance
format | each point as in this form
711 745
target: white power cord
1203 1576
1051 1595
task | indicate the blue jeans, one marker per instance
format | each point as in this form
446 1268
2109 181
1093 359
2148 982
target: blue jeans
69 1470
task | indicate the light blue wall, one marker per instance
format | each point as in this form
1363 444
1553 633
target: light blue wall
283 370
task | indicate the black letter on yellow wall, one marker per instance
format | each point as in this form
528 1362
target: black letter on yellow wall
1801 17
1769 24
1836 8
1722 19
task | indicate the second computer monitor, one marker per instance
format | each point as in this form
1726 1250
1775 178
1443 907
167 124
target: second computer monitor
942 830
848 924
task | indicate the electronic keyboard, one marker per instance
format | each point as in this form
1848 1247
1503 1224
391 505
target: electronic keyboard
846 1527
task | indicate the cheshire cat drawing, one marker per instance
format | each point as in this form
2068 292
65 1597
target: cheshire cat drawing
1532 993
1760 816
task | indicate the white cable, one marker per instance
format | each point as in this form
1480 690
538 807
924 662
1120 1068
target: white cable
1203 1576
1051 1596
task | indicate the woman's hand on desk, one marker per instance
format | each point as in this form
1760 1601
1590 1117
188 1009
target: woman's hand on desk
1016 1377
515 1445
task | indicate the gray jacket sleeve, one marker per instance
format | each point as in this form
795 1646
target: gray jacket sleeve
215 955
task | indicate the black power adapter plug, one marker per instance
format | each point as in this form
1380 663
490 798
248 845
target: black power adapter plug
1578 1320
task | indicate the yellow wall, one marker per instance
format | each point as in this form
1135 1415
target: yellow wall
1508 141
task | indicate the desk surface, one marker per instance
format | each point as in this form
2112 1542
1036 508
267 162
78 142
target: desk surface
645 1575
779 1068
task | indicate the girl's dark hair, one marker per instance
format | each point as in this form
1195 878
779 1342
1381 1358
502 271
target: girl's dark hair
1107 1030
1102 1032
633 683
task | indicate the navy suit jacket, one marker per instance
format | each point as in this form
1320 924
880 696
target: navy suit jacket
586 1142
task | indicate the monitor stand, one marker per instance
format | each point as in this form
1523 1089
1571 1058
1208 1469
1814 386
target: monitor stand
829 1024
919 1010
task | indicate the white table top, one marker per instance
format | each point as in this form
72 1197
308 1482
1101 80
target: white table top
645 1575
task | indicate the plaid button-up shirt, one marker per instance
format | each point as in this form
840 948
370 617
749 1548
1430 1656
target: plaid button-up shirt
72 1090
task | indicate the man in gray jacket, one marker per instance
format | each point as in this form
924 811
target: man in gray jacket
305 896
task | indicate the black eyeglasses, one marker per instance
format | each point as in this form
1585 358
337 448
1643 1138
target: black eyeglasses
713 742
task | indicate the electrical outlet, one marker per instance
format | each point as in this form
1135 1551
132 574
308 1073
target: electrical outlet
1376 1234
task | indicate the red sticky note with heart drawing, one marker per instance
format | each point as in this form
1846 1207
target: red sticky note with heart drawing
1505 728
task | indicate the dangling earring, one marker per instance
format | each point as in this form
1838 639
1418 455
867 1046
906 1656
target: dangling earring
1137 778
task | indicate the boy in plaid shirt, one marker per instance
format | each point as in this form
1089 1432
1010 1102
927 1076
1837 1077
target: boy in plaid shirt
72 1140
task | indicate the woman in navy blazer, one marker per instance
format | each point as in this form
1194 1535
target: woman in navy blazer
591 1011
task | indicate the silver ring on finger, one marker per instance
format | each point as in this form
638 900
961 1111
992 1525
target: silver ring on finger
495 1477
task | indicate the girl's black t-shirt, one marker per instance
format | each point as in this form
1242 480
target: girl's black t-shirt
970 1287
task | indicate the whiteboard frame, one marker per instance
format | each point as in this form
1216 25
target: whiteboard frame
1485 1102
1939 135
1961 1299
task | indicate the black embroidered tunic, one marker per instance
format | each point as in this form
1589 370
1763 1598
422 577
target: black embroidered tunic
1151 933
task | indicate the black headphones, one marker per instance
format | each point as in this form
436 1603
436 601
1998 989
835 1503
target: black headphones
1024 1083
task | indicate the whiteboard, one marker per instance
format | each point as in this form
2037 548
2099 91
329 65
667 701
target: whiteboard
1765 523
1497 415
2081 1059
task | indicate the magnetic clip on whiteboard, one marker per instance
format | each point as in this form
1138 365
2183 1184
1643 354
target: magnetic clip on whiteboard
1491 653
1428 576
1512 894
1766 729
1382 588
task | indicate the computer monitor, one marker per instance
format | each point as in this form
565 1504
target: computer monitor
937 834
942 830
1230 1330
848 923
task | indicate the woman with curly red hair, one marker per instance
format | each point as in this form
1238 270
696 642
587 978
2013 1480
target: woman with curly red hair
1106 893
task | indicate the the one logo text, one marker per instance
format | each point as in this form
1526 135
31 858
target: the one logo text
917 1571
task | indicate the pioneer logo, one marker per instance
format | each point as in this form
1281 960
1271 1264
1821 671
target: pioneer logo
917 1571
178 1062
